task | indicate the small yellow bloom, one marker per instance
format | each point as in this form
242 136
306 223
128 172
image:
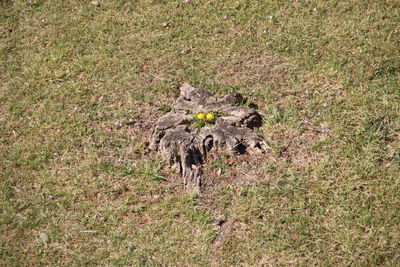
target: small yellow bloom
209 116
200 116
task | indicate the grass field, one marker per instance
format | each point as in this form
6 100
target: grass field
81 85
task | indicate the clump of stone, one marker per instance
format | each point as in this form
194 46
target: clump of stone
186 147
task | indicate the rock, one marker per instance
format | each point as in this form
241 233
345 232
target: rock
95 3
186 148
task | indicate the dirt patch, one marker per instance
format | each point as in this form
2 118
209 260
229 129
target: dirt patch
225 230
295 148
239 70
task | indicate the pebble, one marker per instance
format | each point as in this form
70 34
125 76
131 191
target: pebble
95 3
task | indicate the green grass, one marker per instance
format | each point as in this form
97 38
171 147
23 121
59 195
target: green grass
80 87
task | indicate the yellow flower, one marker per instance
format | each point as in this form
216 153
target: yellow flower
200 116
209 116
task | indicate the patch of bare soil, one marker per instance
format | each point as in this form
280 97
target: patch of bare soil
246 71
